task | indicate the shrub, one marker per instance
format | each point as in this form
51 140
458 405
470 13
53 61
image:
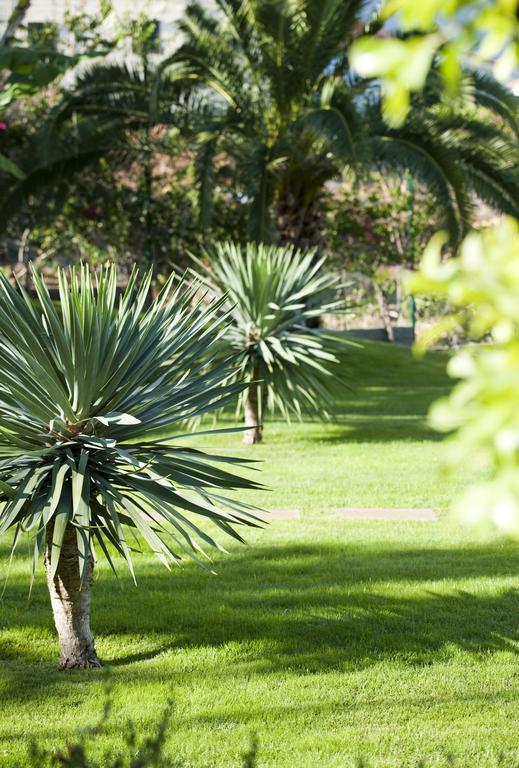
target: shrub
482 284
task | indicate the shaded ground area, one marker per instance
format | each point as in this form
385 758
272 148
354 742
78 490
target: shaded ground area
330 639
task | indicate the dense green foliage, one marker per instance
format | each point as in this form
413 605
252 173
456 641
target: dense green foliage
286 107
482 284
385 221
261 104
26 71
272 296
89 393
105 169
452 31
330 639
99 214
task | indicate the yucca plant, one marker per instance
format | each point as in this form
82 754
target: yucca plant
90 396
272 295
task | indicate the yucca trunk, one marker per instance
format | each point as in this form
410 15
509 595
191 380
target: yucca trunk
70 601
384 313
252 434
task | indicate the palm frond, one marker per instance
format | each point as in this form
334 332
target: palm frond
489 93
434 165
336 124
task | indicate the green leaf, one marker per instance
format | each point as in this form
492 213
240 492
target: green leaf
81 511
7 490
8 166
61 519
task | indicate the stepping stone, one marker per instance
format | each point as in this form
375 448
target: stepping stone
356 513
280 514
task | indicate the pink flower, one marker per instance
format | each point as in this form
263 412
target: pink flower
3 126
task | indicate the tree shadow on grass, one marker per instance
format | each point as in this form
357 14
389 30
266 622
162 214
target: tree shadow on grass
378 414
385 401
388 430
304 608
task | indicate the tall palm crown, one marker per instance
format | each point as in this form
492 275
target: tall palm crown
264 88
290 113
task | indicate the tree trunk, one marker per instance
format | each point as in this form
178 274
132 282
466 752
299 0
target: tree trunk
71 603
298 223
252 434
384 312
15 19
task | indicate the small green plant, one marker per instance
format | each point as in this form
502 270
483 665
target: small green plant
138 752
273 296
92 395
482 284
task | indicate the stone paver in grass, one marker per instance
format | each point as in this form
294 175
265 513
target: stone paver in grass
280 514
379 513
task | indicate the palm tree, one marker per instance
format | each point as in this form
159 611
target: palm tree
92 396
266 89
287 110
271 293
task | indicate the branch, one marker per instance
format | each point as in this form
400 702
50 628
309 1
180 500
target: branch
15 20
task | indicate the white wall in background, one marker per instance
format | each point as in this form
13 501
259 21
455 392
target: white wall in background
166 12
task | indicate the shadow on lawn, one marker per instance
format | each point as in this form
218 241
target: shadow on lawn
387 430
383 414
307 608
386 401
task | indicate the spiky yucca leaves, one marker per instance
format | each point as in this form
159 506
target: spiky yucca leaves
90 394
272 295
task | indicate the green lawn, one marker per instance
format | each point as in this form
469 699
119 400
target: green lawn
329 639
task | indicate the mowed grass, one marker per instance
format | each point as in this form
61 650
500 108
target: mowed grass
329 639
